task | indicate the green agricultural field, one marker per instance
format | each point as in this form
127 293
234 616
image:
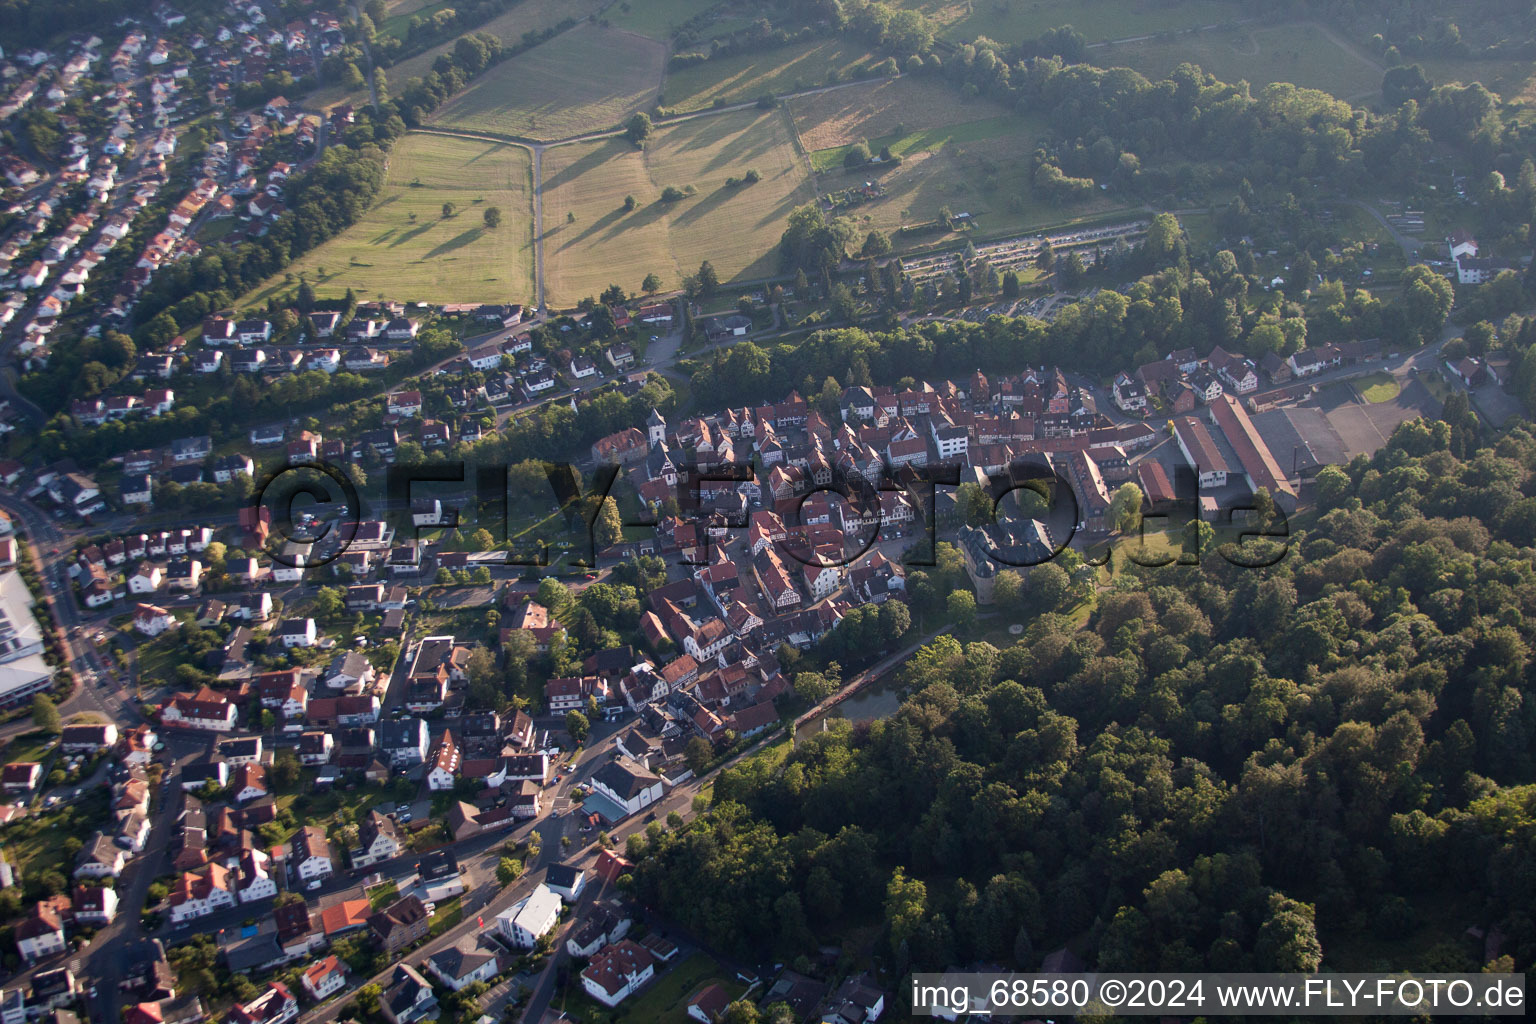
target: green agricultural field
750 75
583 80
983 171
404 248
883 107
736 228
1305 54
1011 21
528 16
1511 80
924 140
655 18
400 14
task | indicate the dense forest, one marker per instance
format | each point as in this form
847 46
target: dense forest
1225 769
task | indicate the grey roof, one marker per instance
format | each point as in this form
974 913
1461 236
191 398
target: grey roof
456 962
403 733
562 876
626 778
352 663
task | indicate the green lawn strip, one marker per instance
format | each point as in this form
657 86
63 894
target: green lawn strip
1378 387
448 914
383 895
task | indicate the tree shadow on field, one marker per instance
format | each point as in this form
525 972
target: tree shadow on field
606 219
644 217
708 204
704 132
457 242
780 212
612 150
405 237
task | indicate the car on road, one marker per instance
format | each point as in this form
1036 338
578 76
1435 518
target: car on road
315 884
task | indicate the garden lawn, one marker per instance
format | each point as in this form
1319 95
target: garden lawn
382 895
447 914
405 249
735 227
664 1001
587 79
1378 387
661 1001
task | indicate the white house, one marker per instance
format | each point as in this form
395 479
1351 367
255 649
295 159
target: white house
1130 394
146 579
137 489
95 905
404 403
274 1006
379 839
311 857
198 894
460 968
100 858
255 881
531 918
152 620
40 935
628 783
565 879
207 709
617 971
298 633
324 978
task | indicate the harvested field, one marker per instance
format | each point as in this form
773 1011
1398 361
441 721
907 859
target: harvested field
528 16
870 110
748 76
734 227
587 79
406 249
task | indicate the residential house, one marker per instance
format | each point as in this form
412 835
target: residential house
628 784
458 967
400 924
380 841
617 971
324 978
409 998
100 858
40 934
311 855
528 920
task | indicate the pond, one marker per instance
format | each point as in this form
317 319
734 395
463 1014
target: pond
878 700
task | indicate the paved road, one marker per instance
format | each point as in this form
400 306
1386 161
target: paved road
85 663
